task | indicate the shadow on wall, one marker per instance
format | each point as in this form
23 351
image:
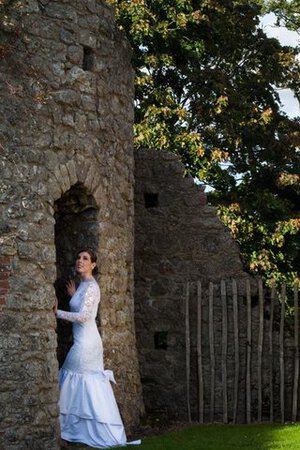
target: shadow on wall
76 227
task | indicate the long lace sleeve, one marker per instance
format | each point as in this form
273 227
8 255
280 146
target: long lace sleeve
86 310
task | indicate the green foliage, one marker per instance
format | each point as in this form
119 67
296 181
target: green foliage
270 248
287 12
206 88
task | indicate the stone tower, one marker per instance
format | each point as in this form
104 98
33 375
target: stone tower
66 180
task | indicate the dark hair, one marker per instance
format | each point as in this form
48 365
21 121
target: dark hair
92 255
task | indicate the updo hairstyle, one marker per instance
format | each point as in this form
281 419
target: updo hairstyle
93 258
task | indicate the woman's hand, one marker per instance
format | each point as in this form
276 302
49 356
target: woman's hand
55 306
71 288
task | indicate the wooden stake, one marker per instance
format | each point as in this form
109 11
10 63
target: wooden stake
187 350
236 350
212 350
271 353
296 339
260 349
281 351
199 353
224 350
249 348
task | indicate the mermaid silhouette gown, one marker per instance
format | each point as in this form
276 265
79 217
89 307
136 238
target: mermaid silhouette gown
88 410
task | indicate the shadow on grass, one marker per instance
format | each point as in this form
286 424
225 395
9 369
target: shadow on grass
221 437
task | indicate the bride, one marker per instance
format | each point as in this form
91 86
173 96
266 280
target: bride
88 410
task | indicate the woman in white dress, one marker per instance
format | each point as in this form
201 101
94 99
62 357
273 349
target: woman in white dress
88 410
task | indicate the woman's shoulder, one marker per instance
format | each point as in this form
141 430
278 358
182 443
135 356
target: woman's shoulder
92 285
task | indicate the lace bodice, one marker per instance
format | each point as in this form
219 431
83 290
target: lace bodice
83 304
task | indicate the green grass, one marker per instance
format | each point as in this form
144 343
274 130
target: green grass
221 437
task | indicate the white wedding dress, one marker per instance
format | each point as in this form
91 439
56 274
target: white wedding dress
88 410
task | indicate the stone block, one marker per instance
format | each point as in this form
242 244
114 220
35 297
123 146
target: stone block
65 177
91 174
100 65
68 120
91 6
88 103
82 170
71 167
90 22
76 75
59 180
89 85
67 37
75 54
30 6
63 12
42 298
67 97
81 121
54 190
58 69
87 38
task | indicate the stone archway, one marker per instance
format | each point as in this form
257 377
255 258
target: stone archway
76 226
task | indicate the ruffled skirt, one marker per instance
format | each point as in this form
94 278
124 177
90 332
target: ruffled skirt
88 410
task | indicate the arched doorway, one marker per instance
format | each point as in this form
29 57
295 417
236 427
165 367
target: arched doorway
76 226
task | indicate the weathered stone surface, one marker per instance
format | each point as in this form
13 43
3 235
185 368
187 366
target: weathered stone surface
56 147
177 239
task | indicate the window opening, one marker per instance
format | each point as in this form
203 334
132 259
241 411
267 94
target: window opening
151 200
161 340
88 59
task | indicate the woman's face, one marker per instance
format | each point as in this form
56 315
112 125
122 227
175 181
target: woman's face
83 265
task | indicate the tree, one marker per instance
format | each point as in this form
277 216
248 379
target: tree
206 88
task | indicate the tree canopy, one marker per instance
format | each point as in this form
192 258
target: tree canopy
207 81
287 12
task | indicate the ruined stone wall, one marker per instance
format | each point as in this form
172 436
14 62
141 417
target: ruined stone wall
178 239
66 123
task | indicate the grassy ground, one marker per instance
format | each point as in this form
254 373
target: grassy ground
222 437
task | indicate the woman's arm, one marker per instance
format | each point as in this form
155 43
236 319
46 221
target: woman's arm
86 310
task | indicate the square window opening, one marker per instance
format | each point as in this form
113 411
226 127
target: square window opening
88 59
151 200
161 340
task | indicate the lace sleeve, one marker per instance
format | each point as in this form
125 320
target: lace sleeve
86 310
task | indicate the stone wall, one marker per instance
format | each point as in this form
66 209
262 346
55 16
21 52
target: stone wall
66 127
178 239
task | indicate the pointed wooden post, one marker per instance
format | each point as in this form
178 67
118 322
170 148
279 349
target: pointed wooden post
188 349
224 350
260 349
271 353
296 363
281 351
236 349
211 350
199 353
249 348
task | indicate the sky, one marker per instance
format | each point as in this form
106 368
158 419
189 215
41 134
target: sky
289 103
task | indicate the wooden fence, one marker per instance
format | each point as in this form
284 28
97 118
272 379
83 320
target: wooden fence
263 340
